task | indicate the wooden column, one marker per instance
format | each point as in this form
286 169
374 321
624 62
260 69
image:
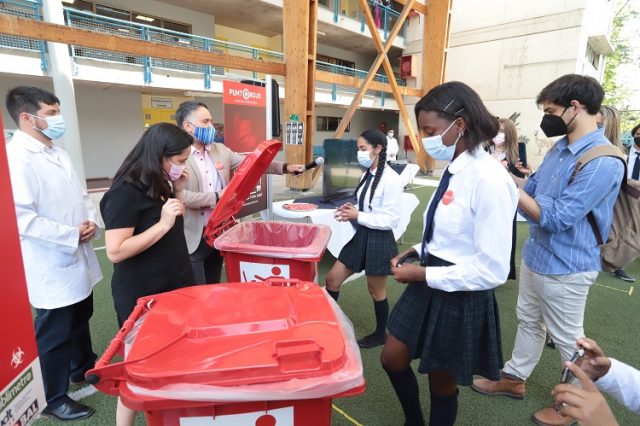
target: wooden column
298 19
435 43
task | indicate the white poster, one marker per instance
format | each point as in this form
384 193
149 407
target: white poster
22 399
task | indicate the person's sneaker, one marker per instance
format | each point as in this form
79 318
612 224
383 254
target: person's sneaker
549 342
622 274
550 416
507 386
371 341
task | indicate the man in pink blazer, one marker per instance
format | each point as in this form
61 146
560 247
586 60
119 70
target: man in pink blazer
210 166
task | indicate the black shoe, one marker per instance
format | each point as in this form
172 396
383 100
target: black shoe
70 410
622 274
549 342
77 382
371 341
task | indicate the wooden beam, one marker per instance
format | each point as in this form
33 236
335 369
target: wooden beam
418 7
424 161
348 81
364 6
295 35
39 30
435 43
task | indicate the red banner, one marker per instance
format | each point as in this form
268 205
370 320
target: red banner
21 389
245 126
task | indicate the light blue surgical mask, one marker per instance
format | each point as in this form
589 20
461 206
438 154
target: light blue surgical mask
205 135
55 126
364 159
437 149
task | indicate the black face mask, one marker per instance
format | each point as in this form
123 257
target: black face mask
636 140
553 125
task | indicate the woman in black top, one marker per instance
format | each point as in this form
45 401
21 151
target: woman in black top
144 227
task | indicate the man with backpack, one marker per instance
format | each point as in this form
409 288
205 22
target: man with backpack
561 258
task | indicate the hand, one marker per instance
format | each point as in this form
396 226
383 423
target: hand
171 209
89 231
295 168
594 363
408 272
586 405
346 212
394 261
505 164
180 184
82 229
527 171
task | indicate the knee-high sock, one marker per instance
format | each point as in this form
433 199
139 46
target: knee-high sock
381 308
443 410
334 294
405 384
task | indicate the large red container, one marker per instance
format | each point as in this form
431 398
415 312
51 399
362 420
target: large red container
199 355
257 250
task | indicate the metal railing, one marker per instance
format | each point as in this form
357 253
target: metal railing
384 17
24 9
107 25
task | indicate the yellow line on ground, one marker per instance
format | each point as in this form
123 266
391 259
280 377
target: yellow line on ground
629 292
346 416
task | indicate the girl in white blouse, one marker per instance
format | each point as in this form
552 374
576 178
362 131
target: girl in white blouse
448 316
373 244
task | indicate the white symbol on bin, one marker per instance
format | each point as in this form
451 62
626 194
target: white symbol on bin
262 271
17 357
277 417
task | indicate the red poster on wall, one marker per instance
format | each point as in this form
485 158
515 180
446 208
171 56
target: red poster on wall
22 391
245 126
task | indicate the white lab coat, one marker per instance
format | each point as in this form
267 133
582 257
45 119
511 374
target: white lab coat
50 204
392 148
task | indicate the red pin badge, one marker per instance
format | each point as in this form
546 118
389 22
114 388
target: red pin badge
447 198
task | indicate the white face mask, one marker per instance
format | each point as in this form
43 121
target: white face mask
364 159
55 126
499 138
437 149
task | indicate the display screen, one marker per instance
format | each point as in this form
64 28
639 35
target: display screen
341 172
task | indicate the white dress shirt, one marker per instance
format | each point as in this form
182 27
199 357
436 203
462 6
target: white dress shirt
382 212
50 205
472 227
392 148
633 154
211 180
623 383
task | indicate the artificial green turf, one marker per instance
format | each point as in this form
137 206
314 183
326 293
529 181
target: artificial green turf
612 318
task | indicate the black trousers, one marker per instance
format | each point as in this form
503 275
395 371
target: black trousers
64 346
206 263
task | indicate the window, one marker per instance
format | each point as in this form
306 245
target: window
127 15
336 61
592 57
328 124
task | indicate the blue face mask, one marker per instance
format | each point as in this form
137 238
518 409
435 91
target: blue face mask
205 135
364 159
55 126
437 149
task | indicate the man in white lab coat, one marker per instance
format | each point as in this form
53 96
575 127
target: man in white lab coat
56 222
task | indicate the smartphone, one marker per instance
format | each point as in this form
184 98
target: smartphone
567 375
522 153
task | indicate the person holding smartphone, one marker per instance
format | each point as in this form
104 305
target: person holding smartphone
373 245
596 372
447 316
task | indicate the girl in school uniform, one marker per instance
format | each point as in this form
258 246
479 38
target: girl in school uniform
447 316
374 217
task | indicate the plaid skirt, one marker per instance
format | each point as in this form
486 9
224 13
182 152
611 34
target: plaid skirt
370 250
457 332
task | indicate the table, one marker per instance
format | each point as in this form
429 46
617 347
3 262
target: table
342 232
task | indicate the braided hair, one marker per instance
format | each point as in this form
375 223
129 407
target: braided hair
374 138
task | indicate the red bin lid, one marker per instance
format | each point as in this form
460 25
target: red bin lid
236 334
243 182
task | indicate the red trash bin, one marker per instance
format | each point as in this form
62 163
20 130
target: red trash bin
258 250
273 353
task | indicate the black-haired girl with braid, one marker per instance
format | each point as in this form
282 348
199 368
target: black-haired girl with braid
373 245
